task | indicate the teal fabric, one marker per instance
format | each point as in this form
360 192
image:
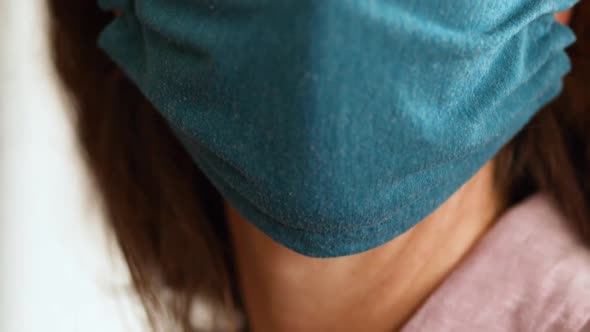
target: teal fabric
336 125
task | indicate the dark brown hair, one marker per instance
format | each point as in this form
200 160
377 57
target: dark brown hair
169 221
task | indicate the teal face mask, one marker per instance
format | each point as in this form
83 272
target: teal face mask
336 125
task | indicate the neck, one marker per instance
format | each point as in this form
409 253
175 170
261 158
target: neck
377 290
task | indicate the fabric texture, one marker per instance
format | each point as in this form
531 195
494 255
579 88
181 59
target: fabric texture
529 273
336 125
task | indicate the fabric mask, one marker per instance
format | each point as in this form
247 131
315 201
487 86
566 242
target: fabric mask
336 125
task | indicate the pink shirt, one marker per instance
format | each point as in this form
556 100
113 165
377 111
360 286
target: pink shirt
529 273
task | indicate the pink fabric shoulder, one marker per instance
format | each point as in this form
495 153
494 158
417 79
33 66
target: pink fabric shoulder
529 273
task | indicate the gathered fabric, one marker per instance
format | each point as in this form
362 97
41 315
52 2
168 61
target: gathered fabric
336 125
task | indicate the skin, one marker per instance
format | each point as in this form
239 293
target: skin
564 17
377 290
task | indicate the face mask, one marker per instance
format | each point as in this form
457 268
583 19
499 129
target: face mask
336 125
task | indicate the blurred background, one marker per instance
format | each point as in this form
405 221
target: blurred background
58 270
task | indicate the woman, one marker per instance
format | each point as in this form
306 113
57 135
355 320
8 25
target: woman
214 208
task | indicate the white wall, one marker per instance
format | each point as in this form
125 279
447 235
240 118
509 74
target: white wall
57 272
